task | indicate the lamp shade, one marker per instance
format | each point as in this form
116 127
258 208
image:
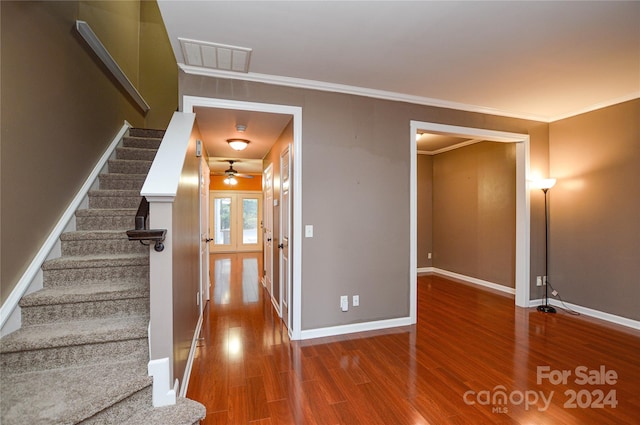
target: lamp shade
546 183
238 144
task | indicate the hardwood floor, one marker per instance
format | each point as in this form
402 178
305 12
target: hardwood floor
473 358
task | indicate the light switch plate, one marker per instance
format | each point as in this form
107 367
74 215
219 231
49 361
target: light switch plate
308 231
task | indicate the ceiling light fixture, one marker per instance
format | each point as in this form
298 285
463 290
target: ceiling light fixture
230 180
238 144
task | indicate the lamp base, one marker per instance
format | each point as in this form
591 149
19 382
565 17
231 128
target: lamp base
546 308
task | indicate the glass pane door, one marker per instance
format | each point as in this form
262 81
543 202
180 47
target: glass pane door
236 221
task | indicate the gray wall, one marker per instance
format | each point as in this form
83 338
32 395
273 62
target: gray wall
186 254
60 110
424 169
355 171
474 211
595 209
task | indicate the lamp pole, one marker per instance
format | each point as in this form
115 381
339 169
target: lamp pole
546 308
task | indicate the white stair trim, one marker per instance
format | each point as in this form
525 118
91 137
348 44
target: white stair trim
163 394
10 306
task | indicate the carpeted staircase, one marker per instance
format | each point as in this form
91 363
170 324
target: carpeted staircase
81 354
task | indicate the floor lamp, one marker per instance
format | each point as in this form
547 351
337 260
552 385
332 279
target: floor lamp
545 185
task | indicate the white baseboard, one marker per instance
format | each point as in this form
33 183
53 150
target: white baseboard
607 317
473 280
356 327
10 306
426 270
192 353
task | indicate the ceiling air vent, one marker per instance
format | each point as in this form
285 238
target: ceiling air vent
215 56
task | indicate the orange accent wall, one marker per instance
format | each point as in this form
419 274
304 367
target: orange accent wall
217 183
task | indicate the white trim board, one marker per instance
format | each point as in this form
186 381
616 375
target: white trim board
355 327
9 307
607 317
473 280
192 353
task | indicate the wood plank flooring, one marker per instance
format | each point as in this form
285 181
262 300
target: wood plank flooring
473 358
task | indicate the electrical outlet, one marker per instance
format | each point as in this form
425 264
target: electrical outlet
429 256
538 280
344 302
356 300
544 280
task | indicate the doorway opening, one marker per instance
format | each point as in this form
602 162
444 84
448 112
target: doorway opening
293 261
522 231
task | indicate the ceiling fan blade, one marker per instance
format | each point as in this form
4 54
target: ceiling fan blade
244 176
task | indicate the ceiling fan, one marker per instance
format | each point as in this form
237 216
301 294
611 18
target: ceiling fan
232 172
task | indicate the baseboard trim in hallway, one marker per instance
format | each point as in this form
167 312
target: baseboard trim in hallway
355 327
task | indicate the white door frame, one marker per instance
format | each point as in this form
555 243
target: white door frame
205 233
523 217
189 102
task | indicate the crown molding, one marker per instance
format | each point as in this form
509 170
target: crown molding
387 95
354 90
596 106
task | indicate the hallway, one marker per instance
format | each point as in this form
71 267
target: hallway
468 342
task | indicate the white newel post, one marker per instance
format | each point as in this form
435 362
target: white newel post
160 189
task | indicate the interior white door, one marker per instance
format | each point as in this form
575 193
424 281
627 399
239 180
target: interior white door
267 226
205 282
285 229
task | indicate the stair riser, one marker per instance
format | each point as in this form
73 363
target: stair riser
106 222
141 143
114 201
119 412
108 181
39 315
51 358
129 167
137 154
64 277
108 246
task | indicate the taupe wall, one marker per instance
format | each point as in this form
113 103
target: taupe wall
273 157
186 254
59 112
595 209
424 165
355 191
474 211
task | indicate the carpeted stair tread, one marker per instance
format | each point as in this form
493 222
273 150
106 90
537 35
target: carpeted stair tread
69 395
184 412
85 293
142 142
96 261
135 153
146 132
75 333
129 166
122 181
114 192
83 235
106 212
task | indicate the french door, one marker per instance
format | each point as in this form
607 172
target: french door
235 221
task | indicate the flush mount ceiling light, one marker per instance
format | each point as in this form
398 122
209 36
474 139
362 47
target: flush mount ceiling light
238 144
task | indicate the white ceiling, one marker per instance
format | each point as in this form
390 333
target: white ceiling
538 60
